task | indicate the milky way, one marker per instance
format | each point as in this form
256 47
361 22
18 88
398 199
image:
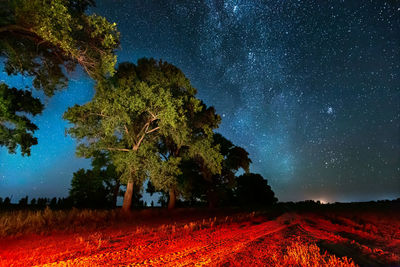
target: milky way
310 89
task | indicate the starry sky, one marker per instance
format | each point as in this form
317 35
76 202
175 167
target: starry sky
311 89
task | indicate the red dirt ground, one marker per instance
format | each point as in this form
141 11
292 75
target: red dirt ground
227 241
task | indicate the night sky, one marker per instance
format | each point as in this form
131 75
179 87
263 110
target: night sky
311 89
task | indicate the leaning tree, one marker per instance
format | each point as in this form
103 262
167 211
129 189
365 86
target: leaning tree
44 39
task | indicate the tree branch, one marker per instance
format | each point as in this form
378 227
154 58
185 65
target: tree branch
98 114
117 149
144 127
141 138
152 114
16 28
126 129
152 130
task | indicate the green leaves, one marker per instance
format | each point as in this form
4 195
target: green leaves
86 39
163 175
44 39
148 119
15 128
130 113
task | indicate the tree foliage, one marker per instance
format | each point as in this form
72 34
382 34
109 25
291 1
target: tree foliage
135 113
88 189
199 147
39 37
15 127
96 187
199 184
253 190
43 39
235 158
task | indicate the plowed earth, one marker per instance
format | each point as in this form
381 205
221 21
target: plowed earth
249 241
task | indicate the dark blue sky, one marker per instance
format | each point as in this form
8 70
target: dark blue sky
310 88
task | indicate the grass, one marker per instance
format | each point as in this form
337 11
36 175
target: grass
309 255
186 236
15 223
20 222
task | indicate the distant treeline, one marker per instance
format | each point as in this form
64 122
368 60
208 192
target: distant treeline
39 203
68 203
313 202
312 205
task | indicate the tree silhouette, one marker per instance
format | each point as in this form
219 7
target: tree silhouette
235 158
253 190
199 184
23 202
101 162
88 189
53 203
42 202
100 186
7 202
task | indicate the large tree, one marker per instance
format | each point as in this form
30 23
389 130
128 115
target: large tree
253 190
202 185
43 39
102 175
131 115
89 190
198 146
235 158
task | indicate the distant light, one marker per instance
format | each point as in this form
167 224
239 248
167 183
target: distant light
323 201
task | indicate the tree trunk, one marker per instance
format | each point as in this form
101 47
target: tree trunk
212 198
116 191
172 199
211 193
126 205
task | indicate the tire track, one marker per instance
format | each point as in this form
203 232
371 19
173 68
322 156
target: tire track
224 242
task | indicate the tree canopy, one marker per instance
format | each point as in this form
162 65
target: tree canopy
144 122
96 187
215 188
40 37
199 147
44 39
136 112
88 189
253 190
15 127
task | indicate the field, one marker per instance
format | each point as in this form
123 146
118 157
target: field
283 236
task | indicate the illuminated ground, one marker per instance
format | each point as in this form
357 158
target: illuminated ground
245 240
